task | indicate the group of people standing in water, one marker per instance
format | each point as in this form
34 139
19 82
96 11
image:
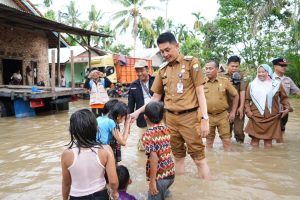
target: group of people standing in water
174 111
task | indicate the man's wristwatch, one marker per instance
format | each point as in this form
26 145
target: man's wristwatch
205 117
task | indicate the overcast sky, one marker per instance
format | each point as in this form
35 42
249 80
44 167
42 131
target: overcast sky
178 10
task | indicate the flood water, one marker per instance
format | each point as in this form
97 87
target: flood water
30 163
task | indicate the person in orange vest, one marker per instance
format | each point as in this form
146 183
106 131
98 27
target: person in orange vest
96 85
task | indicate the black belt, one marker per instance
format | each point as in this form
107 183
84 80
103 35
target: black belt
96 194
182 112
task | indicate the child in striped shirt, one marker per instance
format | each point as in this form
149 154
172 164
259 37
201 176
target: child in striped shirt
160 170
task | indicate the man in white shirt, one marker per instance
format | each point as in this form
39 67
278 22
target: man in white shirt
140 94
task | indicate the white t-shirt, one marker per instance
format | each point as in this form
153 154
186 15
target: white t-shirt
147 96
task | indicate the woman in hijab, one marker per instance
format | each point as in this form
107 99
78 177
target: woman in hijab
262 107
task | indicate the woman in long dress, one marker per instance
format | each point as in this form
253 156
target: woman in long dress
262 107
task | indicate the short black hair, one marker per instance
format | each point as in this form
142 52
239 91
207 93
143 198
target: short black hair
215 62
234 59
166 37
83 129
119 109
123 176
154 111
109 105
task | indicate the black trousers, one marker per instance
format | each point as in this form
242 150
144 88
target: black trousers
100 195
283 122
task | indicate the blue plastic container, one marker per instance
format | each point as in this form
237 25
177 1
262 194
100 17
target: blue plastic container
23 109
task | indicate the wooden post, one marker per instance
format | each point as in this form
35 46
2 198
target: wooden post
89 51
58 61
53 71
72 71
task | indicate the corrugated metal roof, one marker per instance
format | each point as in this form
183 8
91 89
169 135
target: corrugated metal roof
16 18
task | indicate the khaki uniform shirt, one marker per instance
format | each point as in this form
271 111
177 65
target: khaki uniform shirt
243 84
216 94
241 87
186 70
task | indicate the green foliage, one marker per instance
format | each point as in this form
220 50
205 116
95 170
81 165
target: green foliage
48 3
121 49
106 43
132 16
72 18
71 41
191 47
293 69
50 14
254 28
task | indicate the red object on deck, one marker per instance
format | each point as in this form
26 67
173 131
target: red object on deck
36 103
74 98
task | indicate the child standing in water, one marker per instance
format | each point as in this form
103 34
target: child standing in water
160 170
109 130
85 162
124 181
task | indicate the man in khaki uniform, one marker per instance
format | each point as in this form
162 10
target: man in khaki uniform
237 126
181 81
216 89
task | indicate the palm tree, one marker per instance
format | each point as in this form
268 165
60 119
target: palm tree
159 25
106 42
146 33
181 32
93 22
198 23
131 16
73 14
94 18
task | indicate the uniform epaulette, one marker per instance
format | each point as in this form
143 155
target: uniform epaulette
163 65
188 58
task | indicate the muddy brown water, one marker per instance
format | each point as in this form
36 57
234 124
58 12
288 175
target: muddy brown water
30 163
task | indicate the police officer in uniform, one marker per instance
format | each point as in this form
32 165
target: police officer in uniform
280 65
236 77
181 81
216 89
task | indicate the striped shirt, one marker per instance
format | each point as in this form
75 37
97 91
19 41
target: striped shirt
157 139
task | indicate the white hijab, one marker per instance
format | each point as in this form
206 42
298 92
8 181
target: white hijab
263 91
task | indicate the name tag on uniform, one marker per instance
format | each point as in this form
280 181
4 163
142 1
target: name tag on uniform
133 88
179 87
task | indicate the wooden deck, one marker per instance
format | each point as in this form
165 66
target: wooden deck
25 92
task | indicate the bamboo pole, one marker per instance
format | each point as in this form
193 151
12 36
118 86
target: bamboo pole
53 71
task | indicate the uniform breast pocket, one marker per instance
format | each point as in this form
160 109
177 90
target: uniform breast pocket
221 89
186 78
287 85
206 89
165 82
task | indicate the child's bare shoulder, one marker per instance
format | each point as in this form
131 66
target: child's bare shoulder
67 157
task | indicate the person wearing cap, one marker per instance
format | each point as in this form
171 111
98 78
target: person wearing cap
233 68
181 81
216 89
140 94
96 84
262 106
280 65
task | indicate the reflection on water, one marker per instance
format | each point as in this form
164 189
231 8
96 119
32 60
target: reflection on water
30 163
